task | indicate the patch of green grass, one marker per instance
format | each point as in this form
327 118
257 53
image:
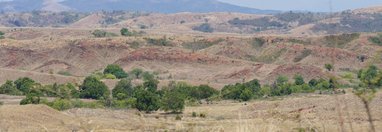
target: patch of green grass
64 73
340 41
202 44
298 41
269 57
347 75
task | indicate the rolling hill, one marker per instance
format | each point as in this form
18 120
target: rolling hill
162 6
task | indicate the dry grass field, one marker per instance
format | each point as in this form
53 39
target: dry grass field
305 112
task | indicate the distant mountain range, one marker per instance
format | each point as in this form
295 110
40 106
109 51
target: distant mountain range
161 6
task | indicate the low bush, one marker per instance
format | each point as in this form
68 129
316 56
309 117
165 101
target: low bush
205 27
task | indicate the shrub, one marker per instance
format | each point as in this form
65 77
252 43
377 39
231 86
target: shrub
178 117
299 80
137 72
109 76
100 34
123 90
158 42
205 27
126 32
93 88
194 114
313 83
115 70
147 101
62 104
172 101
202 115
329 67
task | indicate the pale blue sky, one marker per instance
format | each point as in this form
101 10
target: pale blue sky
307 5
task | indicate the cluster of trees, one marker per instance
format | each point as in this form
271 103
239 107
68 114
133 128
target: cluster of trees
282 86
173 97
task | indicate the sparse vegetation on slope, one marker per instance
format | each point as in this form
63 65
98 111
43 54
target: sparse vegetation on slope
376 39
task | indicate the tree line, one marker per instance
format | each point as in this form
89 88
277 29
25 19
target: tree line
171 98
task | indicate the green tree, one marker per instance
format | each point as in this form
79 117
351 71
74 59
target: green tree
9 88
126 32
123 89
313 82
92 88
24 84
99 33
147 101
172 101
281 80
329 67
299 80
115 70
137 72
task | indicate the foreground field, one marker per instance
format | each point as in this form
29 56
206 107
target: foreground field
327 113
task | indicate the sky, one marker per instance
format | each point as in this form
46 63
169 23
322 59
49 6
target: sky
306 5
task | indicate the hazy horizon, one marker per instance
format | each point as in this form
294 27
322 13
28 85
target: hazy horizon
305 5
